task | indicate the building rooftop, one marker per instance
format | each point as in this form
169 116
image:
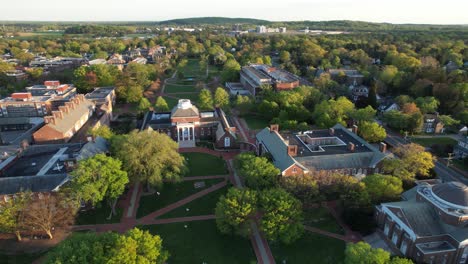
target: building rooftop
336 148
42 168
100 92
185 108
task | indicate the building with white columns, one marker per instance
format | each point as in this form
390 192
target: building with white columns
187 125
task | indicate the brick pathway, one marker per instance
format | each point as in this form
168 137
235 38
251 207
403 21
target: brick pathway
329 234
350 234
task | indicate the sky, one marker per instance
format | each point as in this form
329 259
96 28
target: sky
392 11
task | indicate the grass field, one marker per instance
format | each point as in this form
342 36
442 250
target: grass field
202 206
311 248
174 88
25 258
171 102
427 142
170 193
202 164
321 218
98 216
201 242
255 122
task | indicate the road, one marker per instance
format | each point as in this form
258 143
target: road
443 172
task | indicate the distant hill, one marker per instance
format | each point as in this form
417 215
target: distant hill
213 21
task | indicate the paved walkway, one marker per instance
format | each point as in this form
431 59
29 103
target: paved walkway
328 234
259 243
350 235
196 178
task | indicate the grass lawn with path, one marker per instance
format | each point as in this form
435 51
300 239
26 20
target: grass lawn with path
24 258
255 122
202 206
202 164
175 88
201 242
311 248
171 102
321 218
98 216
170 193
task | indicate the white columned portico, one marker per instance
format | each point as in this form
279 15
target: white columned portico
185 132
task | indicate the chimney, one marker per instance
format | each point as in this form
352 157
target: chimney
274 127
76 101
351 147
57 114
383 147
64 109
355 129
49 120
331 131
292 150
81 98
70 105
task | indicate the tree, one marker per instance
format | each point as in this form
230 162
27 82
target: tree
303 187
102 131
282 218
230 71
138 246
428 104
372 131
35 73
244 104
329 113
259 172
205 100
363 115
398 260
363 253
221 98
150 157
448 120
144 105
99 178
383 188
161 105
414 161
134 247
12 214
235 210
49 212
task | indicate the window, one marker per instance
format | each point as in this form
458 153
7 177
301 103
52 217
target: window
294 170
202 131
227 142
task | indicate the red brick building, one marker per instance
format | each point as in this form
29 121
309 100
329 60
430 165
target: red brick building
64 123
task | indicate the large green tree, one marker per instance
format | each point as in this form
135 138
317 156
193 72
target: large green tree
161 105
150 157
221 98
363 253
259 172
372 131
282 216
382 188
235 210
329 113
99 178
12 212
205 100
134 247
413 161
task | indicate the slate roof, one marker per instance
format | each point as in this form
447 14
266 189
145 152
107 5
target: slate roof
44 183
452 192
273 142
333 157
179 111
69 120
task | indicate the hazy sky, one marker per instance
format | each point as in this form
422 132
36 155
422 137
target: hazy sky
395 11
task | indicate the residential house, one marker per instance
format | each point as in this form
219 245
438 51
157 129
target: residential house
334 150
432 124
431 225
461 149
186 125
63 124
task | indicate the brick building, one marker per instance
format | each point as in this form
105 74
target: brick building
252 77
431 226
64 123
186 125
334 150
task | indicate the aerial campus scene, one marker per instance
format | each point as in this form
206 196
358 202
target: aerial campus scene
243 132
